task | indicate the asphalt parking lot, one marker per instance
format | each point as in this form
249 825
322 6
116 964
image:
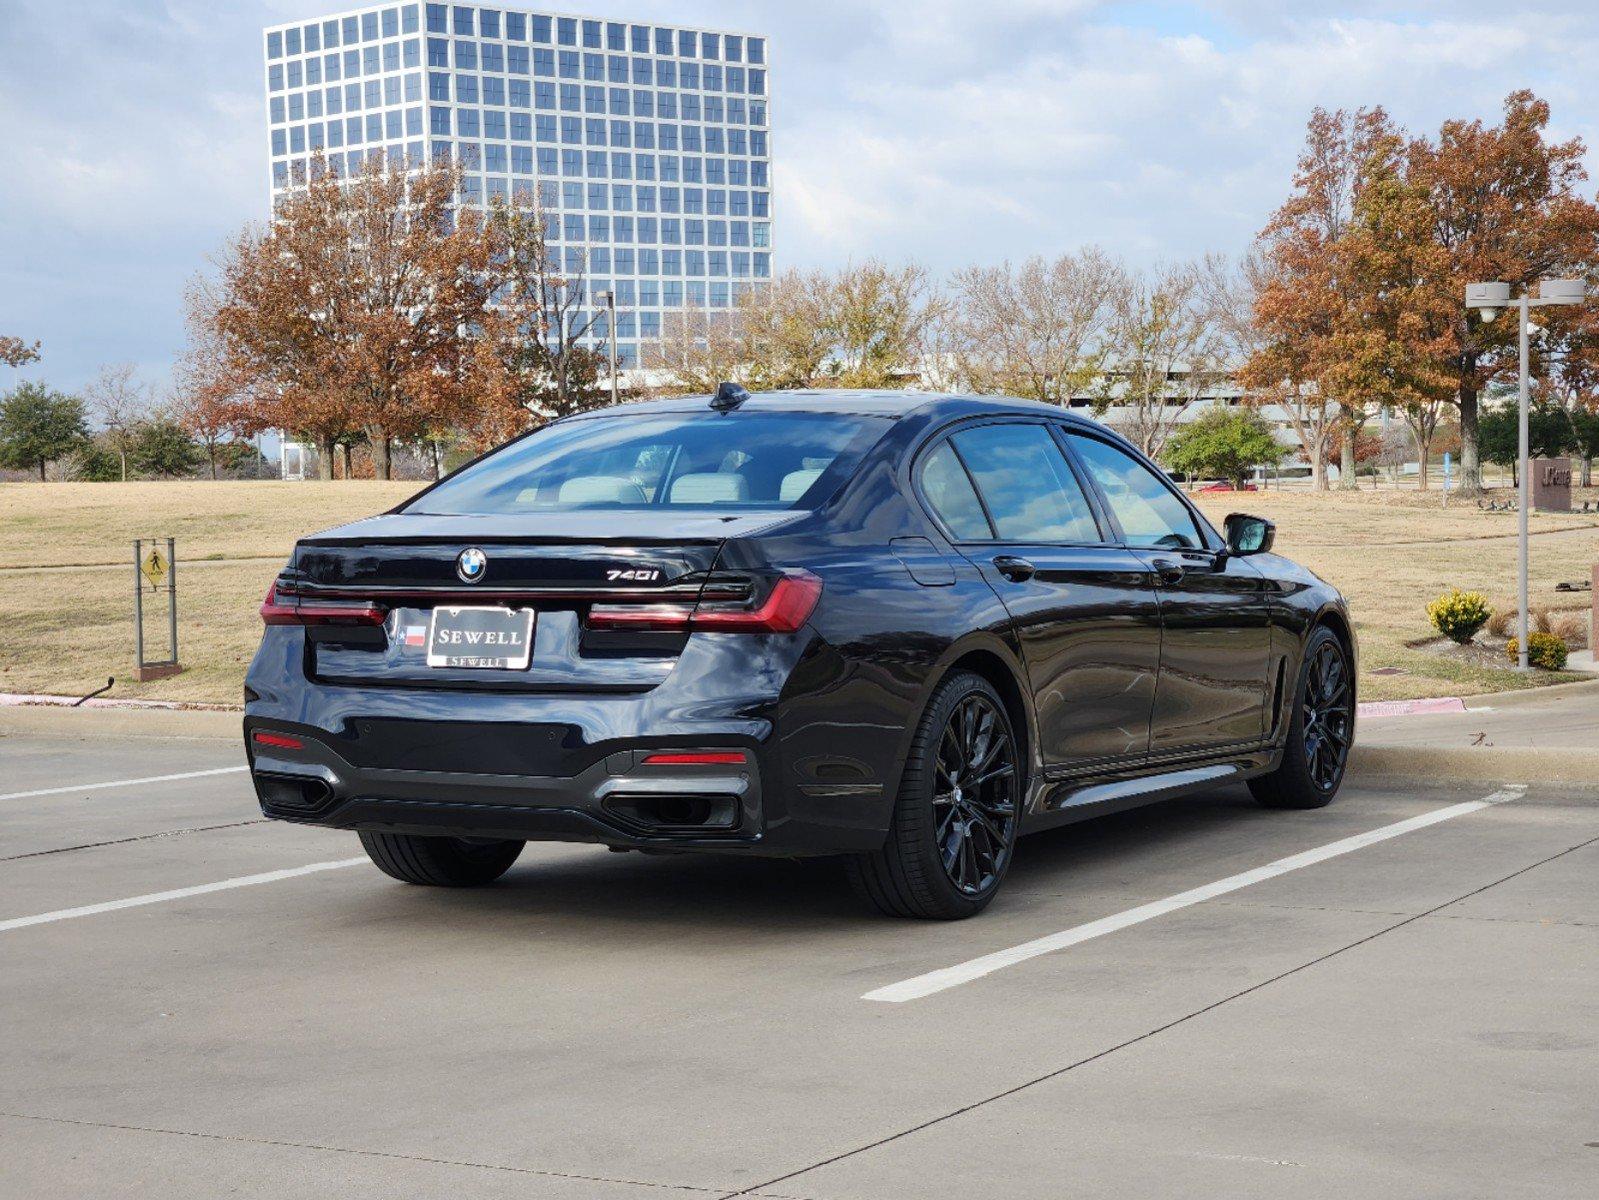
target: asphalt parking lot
1413 1016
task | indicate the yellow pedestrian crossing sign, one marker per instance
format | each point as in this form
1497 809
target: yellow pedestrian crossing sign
154 567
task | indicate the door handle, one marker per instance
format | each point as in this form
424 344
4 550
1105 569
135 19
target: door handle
1167 570
1017 570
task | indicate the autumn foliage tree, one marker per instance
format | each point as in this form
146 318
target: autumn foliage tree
14 352
346 313
1506 206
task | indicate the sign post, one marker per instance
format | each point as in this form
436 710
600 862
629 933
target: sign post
155 571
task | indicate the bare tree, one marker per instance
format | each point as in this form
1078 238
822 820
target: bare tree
1165 354
877 315
119 402
1036 330
544 320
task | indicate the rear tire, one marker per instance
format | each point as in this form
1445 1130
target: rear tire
440 861
1321 728
958 811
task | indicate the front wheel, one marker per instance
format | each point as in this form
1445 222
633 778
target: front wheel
958 811
1321 730
440 861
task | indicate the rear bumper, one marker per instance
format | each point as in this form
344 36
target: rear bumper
618 799
592 789
568 764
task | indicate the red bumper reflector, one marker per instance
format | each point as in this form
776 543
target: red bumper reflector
715 758
279 741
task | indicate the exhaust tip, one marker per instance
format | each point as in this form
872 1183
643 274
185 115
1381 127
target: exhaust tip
676 812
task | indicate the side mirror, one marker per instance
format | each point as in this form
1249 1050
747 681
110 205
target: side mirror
1249 535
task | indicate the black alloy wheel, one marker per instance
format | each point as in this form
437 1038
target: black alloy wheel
1321 730
958 811
974 806
1328 717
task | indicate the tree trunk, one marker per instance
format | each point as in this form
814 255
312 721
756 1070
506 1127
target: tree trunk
1318 468
41 471
123 455
438 466
1587 472
324 459
1470 463
1346 451
381 445
1424 451
211 453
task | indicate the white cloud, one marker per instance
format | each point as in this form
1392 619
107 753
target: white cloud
942 130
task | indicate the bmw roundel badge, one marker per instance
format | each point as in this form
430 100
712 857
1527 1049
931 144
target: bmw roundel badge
471 564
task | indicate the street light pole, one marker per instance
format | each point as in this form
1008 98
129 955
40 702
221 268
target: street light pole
610 329
1523 455
1488 299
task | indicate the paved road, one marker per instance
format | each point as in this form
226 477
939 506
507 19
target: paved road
1416 1017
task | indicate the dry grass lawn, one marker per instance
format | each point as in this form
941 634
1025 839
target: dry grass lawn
65 631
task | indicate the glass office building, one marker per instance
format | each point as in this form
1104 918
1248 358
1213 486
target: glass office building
646 146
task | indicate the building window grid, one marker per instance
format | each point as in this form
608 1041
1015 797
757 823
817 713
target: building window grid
741 152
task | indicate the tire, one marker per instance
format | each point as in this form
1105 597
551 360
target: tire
1321 727
440 861
977 810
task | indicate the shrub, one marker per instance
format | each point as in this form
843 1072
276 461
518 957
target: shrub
1543 650
1459 615
1572 629
1502 622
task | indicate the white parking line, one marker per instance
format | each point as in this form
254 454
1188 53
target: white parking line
89 910
949 977
91 787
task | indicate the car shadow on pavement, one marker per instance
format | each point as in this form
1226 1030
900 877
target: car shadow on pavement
587 888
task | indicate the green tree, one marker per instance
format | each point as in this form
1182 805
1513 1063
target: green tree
39 425
1550 433
163 448
1585 439
1226 443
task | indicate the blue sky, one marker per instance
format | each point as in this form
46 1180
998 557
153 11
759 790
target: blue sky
940 130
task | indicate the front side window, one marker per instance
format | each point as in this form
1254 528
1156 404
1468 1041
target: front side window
686 461
1031 493
1148 511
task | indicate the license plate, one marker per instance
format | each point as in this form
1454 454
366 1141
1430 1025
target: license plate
495 639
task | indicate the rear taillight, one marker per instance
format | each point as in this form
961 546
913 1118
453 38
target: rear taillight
281 610
786 609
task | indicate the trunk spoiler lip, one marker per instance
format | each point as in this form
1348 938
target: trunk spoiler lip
379 592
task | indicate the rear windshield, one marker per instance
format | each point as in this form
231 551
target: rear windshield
704 461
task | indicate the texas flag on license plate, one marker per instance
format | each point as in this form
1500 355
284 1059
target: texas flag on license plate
416 635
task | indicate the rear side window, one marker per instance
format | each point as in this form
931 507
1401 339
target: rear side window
949 491
692 461
1149 512
1029 489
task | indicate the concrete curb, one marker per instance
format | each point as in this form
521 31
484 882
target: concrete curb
28 720
1472 763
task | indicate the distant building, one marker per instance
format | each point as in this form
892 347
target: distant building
646 146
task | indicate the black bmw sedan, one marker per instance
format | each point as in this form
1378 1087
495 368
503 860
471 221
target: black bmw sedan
896 627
